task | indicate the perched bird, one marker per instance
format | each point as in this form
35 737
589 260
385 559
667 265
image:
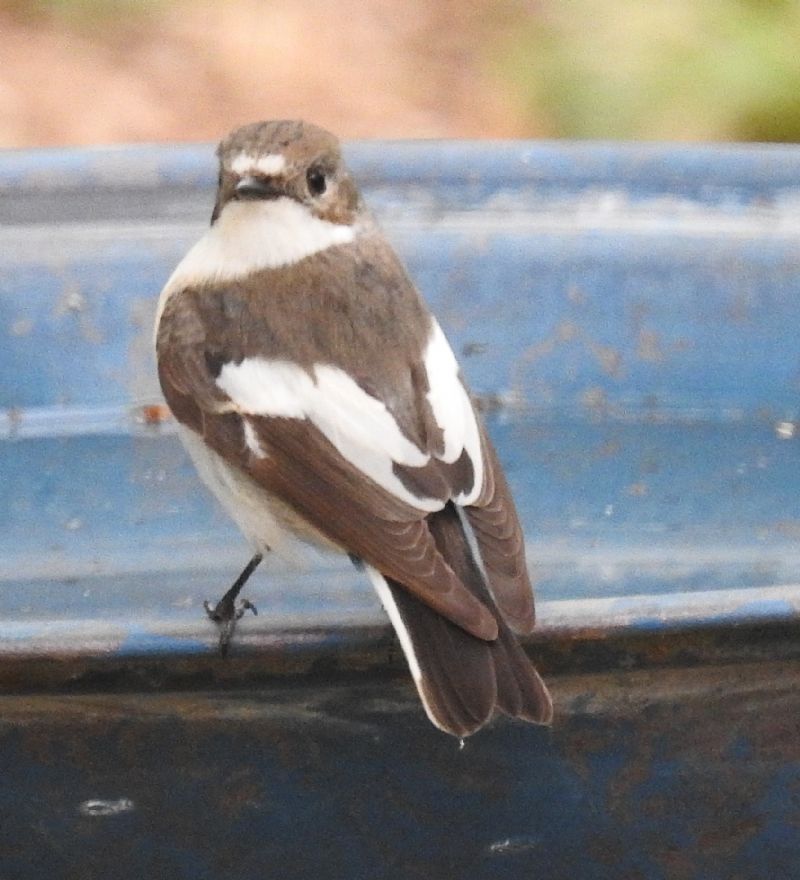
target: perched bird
318 396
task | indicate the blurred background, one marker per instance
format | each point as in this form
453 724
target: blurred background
107 71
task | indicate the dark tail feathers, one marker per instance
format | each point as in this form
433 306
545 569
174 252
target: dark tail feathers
462 679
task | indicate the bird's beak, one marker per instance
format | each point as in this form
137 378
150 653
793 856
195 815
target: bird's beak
250 188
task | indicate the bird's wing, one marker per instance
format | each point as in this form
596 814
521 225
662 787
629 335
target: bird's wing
336 453
498 533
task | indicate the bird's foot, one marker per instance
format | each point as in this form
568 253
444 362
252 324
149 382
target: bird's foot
226 614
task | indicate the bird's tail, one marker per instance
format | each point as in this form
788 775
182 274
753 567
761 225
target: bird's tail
462 679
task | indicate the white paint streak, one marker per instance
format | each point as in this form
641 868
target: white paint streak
99 807
251 236
269 165
358 425
452 408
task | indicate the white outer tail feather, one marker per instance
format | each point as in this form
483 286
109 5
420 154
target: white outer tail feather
390 606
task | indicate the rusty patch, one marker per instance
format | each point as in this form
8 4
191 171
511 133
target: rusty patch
649 348
153 414
609 359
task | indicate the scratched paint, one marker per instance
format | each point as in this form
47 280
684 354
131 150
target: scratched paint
650 774
100 807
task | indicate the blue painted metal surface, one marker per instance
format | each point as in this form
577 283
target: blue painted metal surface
628 316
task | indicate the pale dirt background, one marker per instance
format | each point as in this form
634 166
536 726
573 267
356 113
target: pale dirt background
109 71
191 71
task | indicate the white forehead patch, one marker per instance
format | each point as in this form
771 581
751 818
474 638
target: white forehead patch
269 165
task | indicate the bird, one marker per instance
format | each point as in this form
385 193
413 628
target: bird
321 402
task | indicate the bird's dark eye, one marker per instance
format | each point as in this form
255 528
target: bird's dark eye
315 178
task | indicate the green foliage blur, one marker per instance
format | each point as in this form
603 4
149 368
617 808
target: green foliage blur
657 69
85 14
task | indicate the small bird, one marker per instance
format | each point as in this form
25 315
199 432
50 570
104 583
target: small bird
319 399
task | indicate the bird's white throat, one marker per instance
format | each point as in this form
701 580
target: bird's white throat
252 235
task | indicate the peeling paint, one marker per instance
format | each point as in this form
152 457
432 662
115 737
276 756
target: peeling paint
786 430
512 846
609 359
649 348
22 327
102 808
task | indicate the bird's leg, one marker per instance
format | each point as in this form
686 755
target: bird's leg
226 613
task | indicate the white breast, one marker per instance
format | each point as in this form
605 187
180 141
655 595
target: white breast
250 236
265 521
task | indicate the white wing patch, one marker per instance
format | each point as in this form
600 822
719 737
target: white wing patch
359 426
251 439
268 387
453 409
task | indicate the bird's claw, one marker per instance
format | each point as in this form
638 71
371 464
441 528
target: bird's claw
226 614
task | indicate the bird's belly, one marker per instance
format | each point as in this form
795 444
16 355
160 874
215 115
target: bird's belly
266 521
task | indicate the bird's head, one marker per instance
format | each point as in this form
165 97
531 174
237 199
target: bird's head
267 162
